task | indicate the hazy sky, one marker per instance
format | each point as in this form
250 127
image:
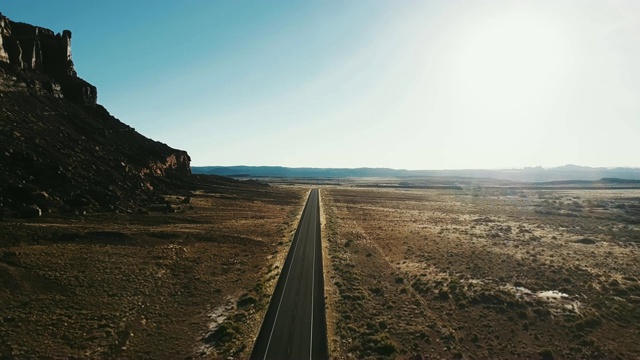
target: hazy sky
352 83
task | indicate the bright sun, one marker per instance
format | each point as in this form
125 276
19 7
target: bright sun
505 66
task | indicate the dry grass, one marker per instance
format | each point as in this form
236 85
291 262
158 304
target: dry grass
484 272
191 284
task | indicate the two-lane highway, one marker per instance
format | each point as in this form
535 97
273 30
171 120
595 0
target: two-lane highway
294 326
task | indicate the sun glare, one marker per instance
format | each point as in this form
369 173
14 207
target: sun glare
505 66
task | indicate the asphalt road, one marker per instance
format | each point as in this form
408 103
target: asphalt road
294 326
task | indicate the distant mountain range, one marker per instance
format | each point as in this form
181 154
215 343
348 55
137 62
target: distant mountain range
527 174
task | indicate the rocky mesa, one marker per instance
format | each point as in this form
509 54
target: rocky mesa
59 149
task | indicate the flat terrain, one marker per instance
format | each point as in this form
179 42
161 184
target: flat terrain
195 283
295 325
483 272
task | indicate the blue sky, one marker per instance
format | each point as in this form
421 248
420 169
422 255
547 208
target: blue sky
401 84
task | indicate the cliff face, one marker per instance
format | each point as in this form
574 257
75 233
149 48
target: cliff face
59 149
29 47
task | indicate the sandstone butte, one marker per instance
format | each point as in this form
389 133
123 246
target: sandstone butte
59 149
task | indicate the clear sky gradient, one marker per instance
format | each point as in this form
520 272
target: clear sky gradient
335 83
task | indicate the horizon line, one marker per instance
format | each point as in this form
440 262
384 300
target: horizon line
446 169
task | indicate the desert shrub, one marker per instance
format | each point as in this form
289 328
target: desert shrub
225 333
588 323
354 297
420 286
630 220
487 298
541 313
522 314
371 327
380 345
586 241
546 354
376 290
239 317
634 289
443 294
386 348
258 287
246 300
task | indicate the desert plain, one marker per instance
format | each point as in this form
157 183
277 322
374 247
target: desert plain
450 272
191 281
483 272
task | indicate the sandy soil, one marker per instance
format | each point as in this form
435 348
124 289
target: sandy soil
480 273
190 284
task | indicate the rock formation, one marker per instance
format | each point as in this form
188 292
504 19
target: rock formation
32 48
59 149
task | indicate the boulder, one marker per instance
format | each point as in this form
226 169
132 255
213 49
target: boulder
5 213
79 200
30 212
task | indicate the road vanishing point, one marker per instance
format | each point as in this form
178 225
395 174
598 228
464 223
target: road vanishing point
295 326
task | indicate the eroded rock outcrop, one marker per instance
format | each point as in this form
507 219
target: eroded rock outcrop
59 149
36 49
